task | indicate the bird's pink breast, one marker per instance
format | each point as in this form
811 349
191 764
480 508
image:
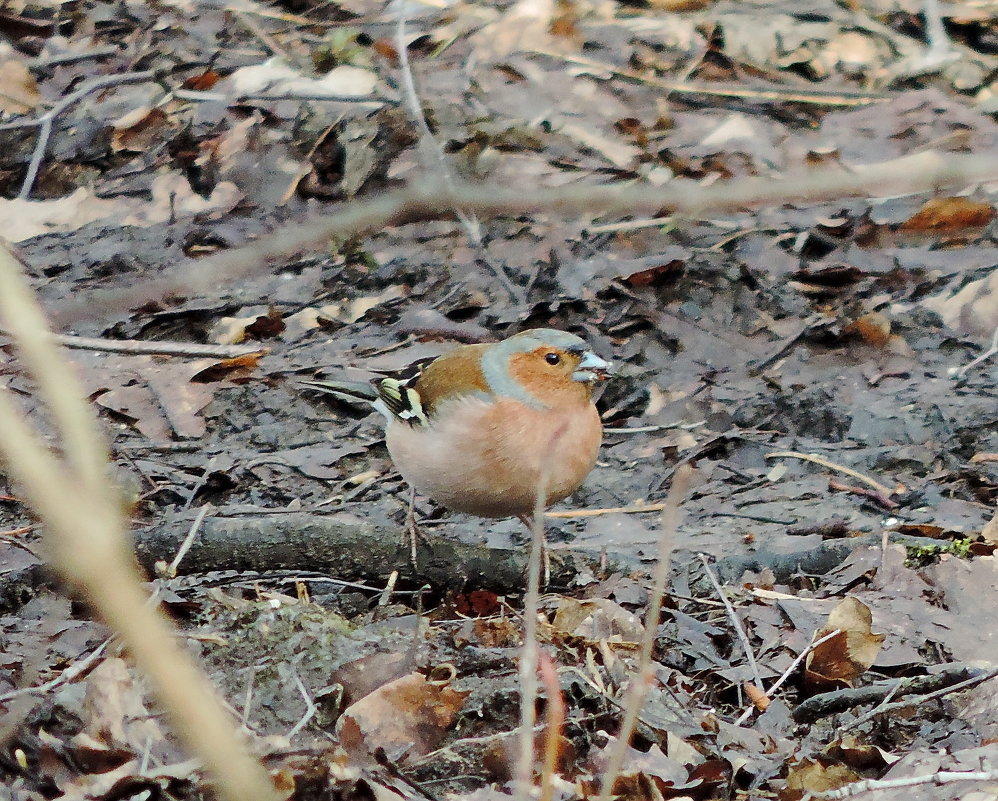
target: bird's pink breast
484 458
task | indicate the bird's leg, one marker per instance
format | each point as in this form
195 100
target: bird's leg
528 521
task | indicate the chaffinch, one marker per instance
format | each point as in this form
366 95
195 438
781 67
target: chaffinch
473 428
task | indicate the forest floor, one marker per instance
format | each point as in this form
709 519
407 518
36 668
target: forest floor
811 359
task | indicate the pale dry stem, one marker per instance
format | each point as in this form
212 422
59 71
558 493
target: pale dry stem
523 774
86 541
638 686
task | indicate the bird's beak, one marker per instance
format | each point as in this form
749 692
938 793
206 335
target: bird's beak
591 368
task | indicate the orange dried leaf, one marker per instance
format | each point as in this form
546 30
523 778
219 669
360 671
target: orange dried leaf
949 214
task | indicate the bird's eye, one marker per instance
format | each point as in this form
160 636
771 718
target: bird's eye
552 358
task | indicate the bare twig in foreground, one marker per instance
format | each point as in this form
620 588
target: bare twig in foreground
427 197
86 541
639 683
529 652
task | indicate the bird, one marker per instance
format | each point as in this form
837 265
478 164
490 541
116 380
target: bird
476 428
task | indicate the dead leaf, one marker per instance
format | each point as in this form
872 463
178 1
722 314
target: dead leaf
407 717
990 530
114 711
276 77
597 619
138 130
813 776
350 311
974 309
846 656
949 214
18 90
235 330
873 328
24 219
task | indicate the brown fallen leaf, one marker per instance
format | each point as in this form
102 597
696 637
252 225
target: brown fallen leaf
873 328
597 619
138 130
839 661
813 776
407 717
949 214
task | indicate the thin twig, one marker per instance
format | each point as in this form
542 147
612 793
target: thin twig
68 675
960 372
877 497
204 96
45 121
629 225
638 686
185 546
787 673
870 714
248 697
44 62
780 94
733 616
310 707
973 681
432 152
269 41
613 510
813 457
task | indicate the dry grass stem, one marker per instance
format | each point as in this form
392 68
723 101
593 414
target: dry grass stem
529 653
638 686
925 172
86 541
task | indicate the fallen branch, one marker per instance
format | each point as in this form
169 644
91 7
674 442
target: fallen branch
143 347
938 778
919 688
348 546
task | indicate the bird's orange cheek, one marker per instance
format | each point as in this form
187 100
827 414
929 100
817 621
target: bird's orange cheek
545 382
